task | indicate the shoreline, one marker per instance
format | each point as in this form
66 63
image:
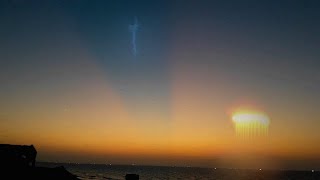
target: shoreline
165 166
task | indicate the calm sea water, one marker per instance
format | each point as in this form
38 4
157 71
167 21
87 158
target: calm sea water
100 171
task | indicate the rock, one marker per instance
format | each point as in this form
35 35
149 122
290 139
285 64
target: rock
18 162
132 177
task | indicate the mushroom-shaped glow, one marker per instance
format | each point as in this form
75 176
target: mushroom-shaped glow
251 124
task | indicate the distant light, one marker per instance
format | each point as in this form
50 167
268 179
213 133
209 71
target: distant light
260 169
215 168
250 117
250 124
312 170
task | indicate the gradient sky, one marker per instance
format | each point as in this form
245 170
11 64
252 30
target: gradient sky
71 86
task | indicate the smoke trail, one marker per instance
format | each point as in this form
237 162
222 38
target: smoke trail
133 29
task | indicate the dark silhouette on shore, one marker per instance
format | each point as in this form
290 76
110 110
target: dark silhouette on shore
18 162
132 177
17 155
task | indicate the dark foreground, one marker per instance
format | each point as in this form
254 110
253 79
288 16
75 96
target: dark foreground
18 162
107 171
32 173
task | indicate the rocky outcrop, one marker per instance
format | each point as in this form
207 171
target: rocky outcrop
17 155
132 177
18 162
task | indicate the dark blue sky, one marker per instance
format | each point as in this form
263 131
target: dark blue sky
280 36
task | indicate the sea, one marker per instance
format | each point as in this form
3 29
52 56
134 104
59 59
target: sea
118 172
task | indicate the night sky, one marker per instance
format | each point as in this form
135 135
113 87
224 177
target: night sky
71 85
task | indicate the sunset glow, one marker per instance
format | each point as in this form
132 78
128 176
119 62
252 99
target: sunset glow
190 83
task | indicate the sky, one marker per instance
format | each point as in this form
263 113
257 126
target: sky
72 86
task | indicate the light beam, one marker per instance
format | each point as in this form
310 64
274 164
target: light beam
133 28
